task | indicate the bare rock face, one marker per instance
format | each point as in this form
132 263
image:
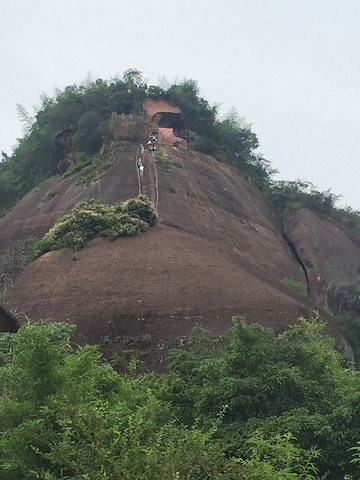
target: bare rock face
330 253
152 107
13 261
36 213
64 137
218 251
129 127
65 163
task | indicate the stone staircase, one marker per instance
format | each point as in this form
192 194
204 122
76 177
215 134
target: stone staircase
148 180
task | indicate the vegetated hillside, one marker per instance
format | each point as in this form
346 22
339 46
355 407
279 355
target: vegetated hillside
73 126
219 248
34 215
218 251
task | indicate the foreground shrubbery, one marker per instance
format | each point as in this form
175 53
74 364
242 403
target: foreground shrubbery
92 217
249 405
64 415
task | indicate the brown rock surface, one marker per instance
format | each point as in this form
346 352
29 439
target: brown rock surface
37 213
330 253
218 251
153 106
34 215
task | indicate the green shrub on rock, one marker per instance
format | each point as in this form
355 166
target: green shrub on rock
292 283
91 217
141 207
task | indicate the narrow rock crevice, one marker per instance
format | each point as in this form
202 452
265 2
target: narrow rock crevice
298 258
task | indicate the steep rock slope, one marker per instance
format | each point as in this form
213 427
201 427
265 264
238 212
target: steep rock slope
330 253
34 215
218 251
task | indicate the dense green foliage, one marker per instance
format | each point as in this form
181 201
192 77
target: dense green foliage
64 415
249 405
230 140
91 217
83 112
291 196
271 385
79 109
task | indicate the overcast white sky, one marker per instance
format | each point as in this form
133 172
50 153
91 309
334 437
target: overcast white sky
290 67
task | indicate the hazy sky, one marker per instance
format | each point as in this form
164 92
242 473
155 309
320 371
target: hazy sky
290 67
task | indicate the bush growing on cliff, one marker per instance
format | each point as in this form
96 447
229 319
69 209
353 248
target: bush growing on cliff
290 196
91 217
348 216
165 162
91 168
292 283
